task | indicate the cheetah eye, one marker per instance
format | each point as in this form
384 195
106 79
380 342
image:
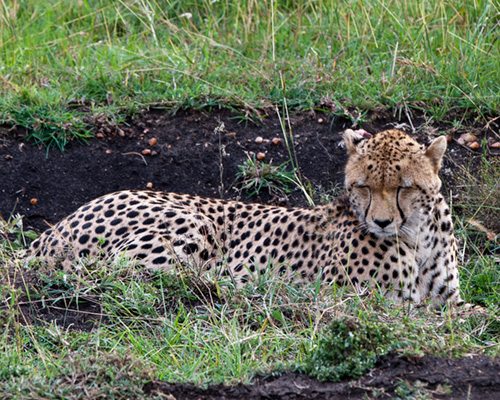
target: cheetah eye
362 187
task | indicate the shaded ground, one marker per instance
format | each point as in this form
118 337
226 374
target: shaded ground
462 378
191 156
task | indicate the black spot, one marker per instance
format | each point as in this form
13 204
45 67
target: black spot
109 213
84 239
204 255
88 217
121 231
84 253
160 260
238 268
116 221
181 231
190 248
445 226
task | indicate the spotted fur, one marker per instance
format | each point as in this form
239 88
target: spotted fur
394 230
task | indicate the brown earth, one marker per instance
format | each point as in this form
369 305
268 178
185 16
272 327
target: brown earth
442 378
191 156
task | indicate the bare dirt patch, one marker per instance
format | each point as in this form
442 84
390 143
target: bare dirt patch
185 153
461 378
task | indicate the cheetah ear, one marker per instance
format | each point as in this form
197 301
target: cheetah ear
352 140
435 152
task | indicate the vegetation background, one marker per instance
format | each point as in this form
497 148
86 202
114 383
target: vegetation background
66 65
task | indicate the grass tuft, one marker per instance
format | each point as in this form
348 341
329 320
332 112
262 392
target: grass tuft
348 347
253 176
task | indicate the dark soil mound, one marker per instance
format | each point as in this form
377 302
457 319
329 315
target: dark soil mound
442 378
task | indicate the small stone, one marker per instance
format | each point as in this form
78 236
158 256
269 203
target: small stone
495 145
258 140
231 134
100 135
260 156
320 120
121 133
276 141
9 157
473 145
178 138
169 147
146 152
152 141
149 185
108 152
468 137
461 141
33 201
154 153
145 131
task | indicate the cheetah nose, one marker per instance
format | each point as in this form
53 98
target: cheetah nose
382 222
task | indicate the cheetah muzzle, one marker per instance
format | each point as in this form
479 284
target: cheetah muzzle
393 230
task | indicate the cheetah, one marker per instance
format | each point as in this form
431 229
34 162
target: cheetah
392 230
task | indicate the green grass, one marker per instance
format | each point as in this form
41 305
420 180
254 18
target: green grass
68 66
253 176
64 62
177 327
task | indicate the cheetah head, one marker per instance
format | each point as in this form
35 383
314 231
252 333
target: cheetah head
392 181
